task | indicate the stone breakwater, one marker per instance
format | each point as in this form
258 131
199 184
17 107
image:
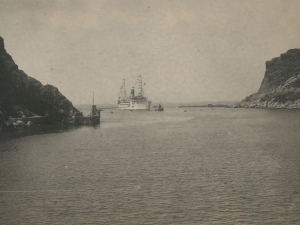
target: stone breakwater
280 88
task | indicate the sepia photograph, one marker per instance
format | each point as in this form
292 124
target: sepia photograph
149 112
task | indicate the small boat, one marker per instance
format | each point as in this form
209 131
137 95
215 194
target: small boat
159 108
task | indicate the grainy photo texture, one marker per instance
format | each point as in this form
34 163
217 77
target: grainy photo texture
149 112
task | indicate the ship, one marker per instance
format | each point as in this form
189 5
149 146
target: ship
136 99
159 108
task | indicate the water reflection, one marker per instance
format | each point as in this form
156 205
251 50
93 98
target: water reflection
36 130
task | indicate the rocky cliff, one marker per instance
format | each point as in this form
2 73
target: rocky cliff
280 87
23 96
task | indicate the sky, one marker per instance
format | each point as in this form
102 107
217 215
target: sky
186 51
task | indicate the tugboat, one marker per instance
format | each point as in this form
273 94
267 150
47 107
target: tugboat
92 119
159 108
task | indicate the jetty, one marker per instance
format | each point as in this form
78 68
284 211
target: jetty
92 119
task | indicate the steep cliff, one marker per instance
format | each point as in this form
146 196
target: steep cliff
280 87
21 95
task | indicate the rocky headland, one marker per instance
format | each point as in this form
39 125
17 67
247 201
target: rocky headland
22 96
280 88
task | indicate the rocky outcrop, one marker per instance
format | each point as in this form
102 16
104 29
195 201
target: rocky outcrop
23 96
280 87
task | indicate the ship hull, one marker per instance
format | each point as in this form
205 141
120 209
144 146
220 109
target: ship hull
135 105
123 105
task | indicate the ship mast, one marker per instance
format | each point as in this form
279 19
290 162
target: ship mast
124 93
141 86
94 110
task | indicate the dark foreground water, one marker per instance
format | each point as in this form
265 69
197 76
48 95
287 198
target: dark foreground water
203 166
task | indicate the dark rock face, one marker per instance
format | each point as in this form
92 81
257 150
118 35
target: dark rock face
21 95
280 87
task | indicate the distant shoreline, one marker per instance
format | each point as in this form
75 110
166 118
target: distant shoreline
203 106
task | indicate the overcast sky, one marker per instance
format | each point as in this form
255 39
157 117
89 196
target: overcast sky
185 50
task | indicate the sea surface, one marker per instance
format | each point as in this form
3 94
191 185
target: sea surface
202 166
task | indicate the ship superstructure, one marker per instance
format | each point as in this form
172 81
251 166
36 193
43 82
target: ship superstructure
136 100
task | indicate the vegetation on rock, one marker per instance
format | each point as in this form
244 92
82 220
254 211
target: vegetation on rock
24 96
280 87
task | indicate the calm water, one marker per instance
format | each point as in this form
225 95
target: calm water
203 166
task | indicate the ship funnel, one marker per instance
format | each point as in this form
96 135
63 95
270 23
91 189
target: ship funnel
132 92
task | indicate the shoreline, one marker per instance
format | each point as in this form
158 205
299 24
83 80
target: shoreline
204 106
